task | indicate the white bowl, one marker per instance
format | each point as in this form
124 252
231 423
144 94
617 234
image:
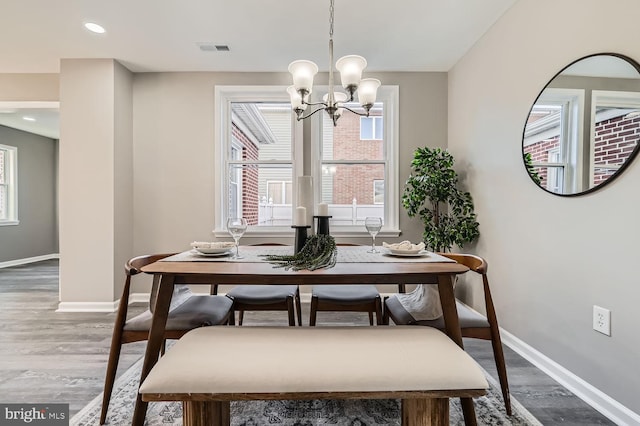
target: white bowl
217 250
213 247
405 252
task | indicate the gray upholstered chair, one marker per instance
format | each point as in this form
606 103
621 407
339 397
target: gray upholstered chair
349 298
192 312
472 324
265 298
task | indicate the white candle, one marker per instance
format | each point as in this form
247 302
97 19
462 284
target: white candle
323 209
301 216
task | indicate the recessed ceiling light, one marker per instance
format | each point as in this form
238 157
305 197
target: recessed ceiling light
27 118
95 28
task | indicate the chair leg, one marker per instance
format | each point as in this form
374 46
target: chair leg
298 307
385 312
314 308
232 317
163 348
370 318
240 317
291 311
379 319
498 355
112 368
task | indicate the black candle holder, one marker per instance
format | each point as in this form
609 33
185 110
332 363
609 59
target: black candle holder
323 225
301 237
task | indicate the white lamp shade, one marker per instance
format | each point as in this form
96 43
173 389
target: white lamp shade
350 68
296 99
337 97
368 90
303 72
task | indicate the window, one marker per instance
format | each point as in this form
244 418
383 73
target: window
553 137
259 148
356 179
256 148
8 185
371 128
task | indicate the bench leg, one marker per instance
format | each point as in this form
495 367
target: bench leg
205 413
425 412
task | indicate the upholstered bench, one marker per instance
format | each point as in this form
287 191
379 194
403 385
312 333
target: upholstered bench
211 366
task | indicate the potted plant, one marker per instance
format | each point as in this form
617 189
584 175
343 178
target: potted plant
431 193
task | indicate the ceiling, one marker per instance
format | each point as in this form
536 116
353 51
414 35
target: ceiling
262 35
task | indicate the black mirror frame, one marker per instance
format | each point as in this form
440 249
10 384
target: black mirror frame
622 168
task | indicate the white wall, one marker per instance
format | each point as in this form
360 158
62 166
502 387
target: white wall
95 192
551 258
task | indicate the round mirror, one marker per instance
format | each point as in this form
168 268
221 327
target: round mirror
583 129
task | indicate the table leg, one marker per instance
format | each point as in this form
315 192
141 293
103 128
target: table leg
452 326
154 343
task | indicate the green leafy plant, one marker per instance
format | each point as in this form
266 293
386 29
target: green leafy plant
319 251
528 163
431 193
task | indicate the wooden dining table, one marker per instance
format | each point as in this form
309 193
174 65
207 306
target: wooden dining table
255 273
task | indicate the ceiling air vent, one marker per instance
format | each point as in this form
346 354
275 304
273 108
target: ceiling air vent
210 47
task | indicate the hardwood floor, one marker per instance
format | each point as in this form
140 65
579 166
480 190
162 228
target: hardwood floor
48 356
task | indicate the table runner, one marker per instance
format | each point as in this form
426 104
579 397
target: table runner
346 254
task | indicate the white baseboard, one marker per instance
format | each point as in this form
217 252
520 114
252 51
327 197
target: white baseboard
29 260
609 407
87 306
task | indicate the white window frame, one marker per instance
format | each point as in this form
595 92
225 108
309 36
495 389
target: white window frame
11 185
390 96
571 133
373 127
224 96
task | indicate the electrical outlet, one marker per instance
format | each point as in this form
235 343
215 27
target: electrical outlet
602 320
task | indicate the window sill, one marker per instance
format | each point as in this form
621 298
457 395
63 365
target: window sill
9 222
287 232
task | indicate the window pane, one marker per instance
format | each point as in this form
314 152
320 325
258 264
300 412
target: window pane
366 128
3 202
348 191
378 192
551 178
378 127
2 166
615 139
344 142
259 195
263 130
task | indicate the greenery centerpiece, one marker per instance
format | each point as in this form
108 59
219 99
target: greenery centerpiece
432 194
319 251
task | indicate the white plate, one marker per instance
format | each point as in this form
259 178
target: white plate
402 253
212 252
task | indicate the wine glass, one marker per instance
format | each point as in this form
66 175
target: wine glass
373 225
236 227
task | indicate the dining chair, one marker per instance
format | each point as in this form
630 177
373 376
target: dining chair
195 311
248 297
347 298
472 323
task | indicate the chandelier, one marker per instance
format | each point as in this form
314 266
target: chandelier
350 68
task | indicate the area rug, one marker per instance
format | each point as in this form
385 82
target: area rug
489 410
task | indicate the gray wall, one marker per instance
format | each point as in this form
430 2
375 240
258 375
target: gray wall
174 148
551 258
37 232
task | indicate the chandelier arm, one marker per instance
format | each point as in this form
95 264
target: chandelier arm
310 114
314 103
363 114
